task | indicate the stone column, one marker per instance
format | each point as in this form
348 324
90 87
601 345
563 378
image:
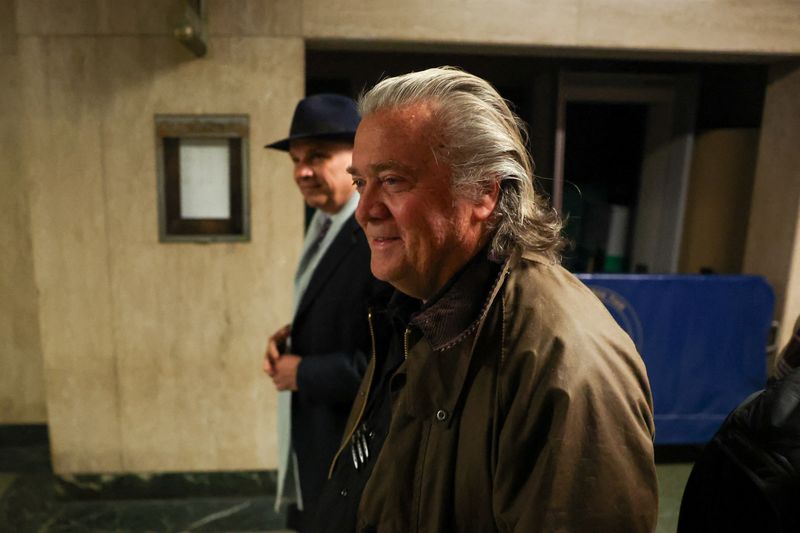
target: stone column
773 237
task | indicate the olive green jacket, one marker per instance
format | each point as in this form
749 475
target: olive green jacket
525 409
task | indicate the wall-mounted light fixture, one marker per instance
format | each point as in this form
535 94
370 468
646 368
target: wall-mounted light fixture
190 25
203 177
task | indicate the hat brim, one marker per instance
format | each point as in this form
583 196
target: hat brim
284 144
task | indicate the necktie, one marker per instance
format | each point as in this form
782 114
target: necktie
314 247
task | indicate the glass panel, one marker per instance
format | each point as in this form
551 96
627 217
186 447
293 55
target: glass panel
205 182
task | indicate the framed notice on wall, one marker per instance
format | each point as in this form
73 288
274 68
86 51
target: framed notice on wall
203 177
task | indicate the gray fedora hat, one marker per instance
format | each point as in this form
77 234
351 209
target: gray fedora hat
322 116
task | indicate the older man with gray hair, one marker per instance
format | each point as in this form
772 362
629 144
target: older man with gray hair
500 395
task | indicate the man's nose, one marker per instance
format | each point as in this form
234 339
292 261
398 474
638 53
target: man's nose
302 171
370 204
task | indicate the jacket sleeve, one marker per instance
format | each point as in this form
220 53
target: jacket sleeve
575 451
332 377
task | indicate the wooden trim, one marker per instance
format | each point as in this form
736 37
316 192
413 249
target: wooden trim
170 129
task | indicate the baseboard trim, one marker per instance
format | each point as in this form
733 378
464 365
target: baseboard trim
166 485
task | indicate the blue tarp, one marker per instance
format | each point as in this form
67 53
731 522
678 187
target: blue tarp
703 340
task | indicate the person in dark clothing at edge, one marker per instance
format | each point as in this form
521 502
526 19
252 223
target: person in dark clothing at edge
318 361
748 476
501 395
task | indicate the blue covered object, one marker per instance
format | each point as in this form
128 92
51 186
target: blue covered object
702 338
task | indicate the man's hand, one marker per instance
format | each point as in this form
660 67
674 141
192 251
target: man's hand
285 372
276 345
281 367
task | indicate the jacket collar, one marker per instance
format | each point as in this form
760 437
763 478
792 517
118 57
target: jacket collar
438 365
456 310
342 244
459 321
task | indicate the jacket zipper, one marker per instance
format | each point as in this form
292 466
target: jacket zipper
363 404
405 342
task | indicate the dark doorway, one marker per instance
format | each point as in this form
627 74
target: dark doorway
603 160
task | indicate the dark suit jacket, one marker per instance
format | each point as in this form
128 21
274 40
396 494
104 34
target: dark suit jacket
330 331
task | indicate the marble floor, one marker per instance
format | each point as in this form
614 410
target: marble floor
33 500
672 479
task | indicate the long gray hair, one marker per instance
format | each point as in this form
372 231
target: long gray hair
484 142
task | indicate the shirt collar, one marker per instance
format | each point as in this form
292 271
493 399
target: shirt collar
345 212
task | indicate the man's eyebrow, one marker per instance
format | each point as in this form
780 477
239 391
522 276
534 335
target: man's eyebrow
377 168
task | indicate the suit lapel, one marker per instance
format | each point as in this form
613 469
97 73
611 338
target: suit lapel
341 246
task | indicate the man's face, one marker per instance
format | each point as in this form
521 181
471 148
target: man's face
419 232
320 171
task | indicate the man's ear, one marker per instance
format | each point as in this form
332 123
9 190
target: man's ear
486 202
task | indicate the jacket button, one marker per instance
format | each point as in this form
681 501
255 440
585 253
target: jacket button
344 492
441 415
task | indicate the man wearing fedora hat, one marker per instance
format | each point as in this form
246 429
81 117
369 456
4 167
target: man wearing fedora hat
318 360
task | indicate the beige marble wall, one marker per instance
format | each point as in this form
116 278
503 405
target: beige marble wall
266 18
773 238
152 351
21 378
715 26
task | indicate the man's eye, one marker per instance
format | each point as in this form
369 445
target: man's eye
392 182
358 183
